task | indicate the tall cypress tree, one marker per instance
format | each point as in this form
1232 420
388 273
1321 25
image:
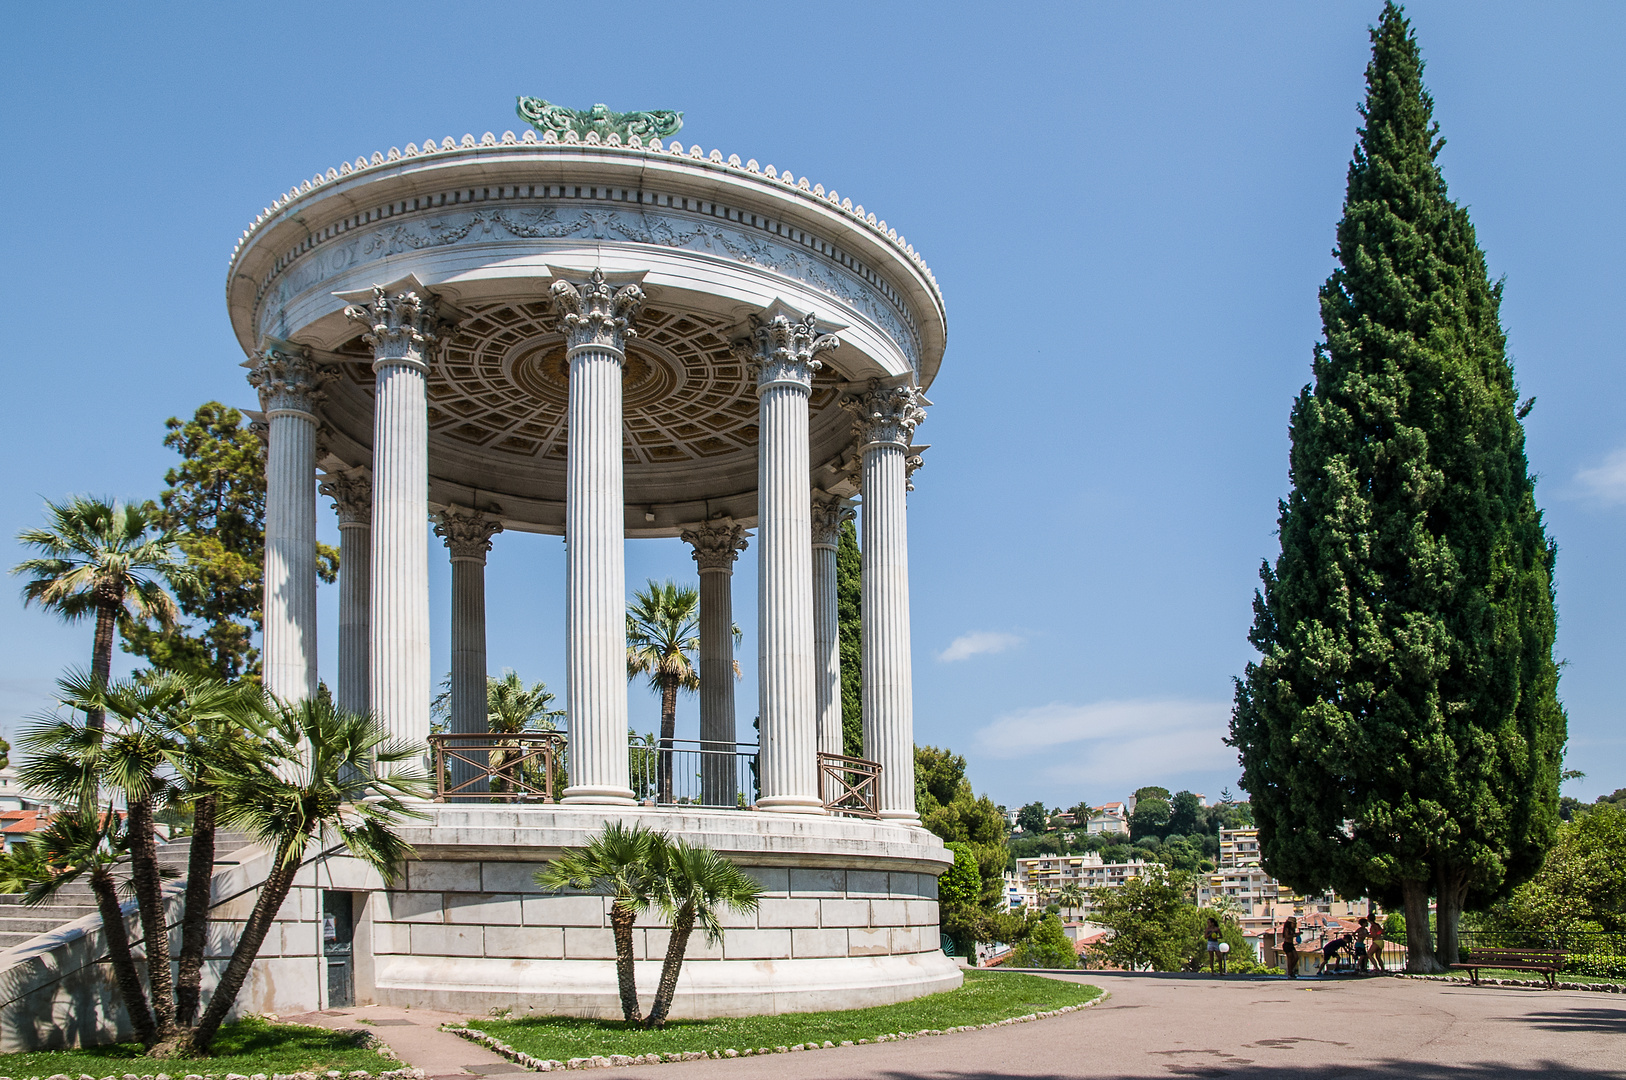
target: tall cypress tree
850 621
1401 733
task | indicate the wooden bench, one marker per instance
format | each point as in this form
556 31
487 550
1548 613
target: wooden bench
1544 961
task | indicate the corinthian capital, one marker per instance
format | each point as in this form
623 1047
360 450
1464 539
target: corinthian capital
352 495
716 543
288 379
787 351
886 415
467 533
596 312
400 328
830 512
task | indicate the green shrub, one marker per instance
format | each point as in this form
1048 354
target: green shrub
1046 947
1597 965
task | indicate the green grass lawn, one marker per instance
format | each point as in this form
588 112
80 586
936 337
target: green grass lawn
249 1046
986 996
1506 973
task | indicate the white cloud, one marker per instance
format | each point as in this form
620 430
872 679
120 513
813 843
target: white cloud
1112 742
1605 482
976 643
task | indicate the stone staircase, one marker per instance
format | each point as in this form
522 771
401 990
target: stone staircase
20 923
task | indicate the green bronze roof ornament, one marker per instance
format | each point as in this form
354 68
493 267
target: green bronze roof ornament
546 116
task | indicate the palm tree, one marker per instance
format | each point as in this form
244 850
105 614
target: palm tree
76 761
169 731
1071 896
325 769
105 559
85 842
513 707
662 639
695 884
620 861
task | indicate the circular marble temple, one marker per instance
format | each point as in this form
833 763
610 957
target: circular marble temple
594 332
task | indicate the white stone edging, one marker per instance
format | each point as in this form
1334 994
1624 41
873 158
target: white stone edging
1596 988
694 155
600 1061
331 1074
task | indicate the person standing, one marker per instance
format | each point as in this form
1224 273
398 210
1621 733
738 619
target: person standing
1361 937
1290 945
1374 948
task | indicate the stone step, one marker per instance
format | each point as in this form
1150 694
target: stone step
8 939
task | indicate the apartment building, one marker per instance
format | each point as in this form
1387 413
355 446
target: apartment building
1039 880
1261 901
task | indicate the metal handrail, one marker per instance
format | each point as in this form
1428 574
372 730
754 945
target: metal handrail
497 767
693 772
850 785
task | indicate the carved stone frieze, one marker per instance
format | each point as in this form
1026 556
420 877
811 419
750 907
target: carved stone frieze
787 351
400 328
596 313
467 533
288 379
641 227
600 120
886 415
716 543
830 512
352 495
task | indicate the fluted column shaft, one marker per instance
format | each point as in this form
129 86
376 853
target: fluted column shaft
289 385
786 358
352 498
717 545
595 319
886 419
468 537
829 513
402 330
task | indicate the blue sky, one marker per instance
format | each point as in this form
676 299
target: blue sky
1129 209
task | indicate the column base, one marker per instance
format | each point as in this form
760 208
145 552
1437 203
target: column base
791 804
587 794
901 817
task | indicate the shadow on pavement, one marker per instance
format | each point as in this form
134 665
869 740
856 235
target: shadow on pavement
1604 1021
1377 1070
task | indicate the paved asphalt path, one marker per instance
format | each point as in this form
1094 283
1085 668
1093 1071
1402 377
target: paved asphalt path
1167 1026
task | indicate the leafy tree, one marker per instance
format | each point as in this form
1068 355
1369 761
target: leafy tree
694 885
1150 921
1400 733
5 753
1046 946
1032 818
1151 817
952 811
215 505
618 861
102 559
1071 897
1185 813
324 771
850 623
959 896
1582 884
1081 812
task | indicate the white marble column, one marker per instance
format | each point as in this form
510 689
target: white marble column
829 513
468 537
716 545
352 495
289 382
595 318
885 419
402 329
786 357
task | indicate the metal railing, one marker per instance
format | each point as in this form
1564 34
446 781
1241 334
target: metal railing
688 772
522 767
850 785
